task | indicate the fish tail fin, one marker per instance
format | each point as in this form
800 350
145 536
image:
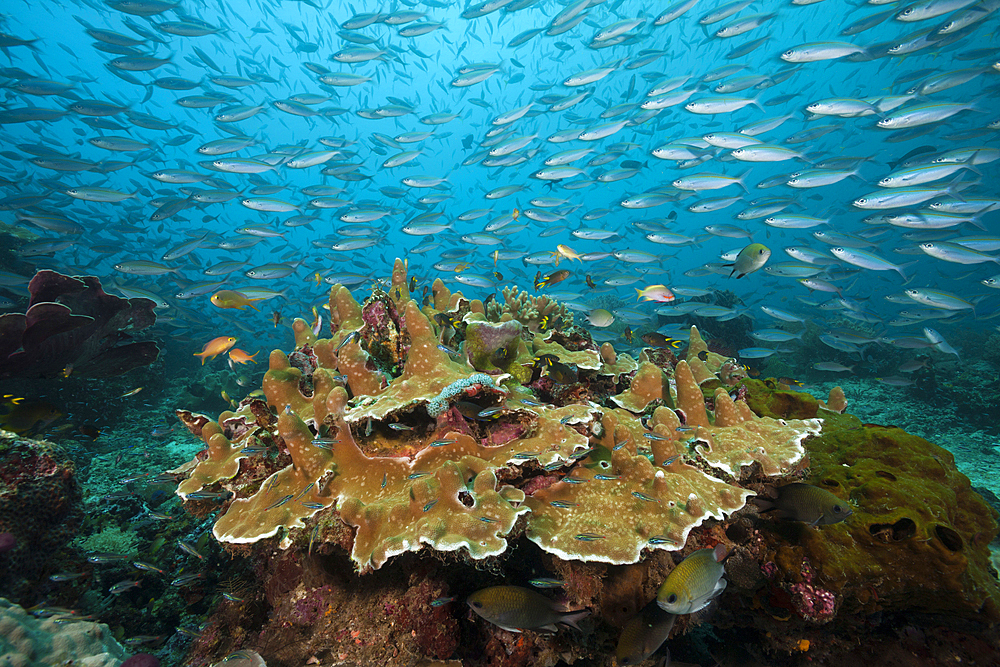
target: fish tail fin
899 269
763 504
742 177
956 186
572 619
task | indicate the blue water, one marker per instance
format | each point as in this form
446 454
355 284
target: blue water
272 44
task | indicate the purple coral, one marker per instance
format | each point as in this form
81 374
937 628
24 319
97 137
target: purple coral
311 607
142 660
812 602
74 322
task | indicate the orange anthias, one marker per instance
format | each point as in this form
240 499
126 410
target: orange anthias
215 347
241 356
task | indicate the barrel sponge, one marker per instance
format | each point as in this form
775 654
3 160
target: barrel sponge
26 641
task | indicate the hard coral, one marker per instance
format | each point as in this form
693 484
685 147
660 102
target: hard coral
530 310
40 506
400 493
445 458
30 642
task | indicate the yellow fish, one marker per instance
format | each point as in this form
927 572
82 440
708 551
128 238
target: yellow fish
228 298
241 357
694 583
567 252
215 347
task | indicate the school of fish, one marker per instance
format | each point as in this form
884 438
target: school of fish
825 161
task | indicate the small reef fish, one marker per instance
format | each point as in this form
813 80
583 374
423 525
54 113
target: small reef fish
123 586
208 495
396 426
551 279
807 503
279 503
187 579
242 357
568 253
657 339
215 347
515 608
563 373
228 298
659 293
694 583
547 582
832 367
502 356
25 418
644 634
104 558
147 567
750 259
188 549
354 335
600 318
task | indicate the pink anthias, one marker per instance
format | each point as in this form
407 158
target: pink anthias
659 293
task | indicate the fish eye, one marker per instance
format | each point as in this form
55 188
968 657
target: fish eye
672 598
906 12
477 605
837 509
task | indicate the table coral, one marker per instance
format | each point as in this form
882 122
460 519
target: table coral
434 477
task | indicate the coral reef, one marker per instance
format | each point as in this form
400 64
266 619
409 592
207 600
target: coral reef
537 313
71 323
26 641
40 506
357 466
